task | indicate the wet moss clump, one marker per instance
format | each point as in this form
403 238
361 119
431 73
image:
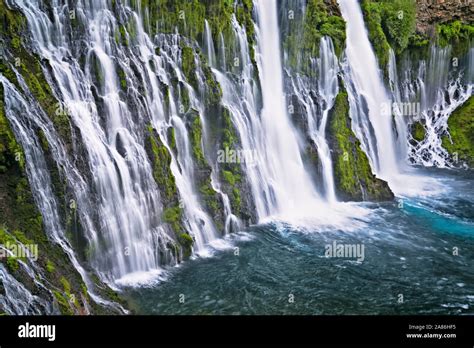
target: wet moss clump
389 24
459 142
352 171
418 132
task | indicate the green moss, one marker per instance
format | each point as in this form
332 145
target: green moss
28 65
460 141
167 16
457 34
229 137
231 172
303 45
122 78
161 160
50 266
373 20
185 101
123 35
5 237
236 200
188 64
187 243
20 236
172 138
196 139
63 303
12 264
209 196
213 89
418 132
187 17
11 152
66 285
85 293
173 216
390 24
353 175
229 177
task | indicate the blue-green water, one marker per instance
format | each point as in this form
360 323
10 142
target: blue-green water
418 259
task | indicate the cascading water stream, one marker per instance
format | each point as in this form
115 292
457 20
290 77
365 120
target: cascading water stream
434 88
280 144
328 89
317 115
182 164
368 90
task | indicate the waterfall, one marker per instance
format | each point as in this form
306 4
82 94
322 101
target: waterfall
371 110
38 173
121 208
280 148
17 300
400 120
122 179
436 87
211 53
327 67
368 92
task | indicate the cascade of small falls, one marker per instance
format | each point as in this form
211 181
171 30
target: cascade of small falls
430 90
377 112
122 210
115 95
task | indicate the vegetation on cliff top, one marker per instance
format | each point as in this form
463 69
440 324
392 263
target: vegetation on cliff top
389 24
392 23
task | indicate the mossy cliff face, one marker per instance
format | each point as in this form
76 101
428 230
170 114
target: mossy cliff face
172 210
21 223
460 140
353 175
18 56
221 136
20 220
231 172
